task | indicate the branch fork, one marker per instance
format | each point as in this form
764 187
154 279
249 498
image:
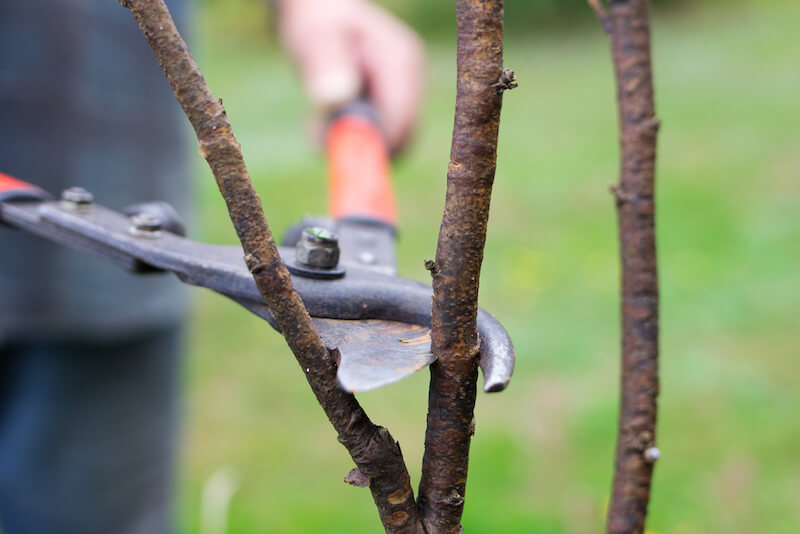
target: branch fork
455 272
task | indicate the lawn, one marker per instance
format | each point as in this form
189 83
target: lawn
727 86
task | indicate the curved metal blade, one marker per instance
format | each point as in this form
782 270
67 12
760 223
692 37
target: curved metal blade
375 352
363 297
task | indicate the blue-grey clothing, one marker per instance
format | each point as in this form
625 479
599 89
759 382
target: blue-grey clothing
83 102
87 435
88 352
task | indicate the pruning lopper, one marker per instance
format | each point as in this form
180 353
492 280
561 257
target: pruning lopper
343 267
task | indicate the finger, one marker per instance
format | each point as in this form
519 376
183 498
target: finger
393 61
325 55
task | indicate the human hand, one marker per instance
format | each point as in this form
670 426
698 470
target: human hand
347 48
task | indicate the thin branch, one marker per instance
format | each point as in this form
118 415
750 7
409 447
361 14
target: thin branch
372 448
634 197
481 82
601 13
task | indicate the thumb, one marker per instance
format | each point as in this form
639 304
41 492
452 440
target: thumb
329 69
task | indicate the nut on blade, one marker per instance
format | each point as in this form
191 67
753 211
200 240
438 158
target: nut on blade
318 247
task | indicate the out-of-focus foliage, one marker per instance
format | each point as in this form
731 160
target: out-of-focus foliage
436 20
541 462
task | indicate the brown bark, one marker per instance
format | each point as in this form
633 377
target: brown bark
459 253
629 29
372 448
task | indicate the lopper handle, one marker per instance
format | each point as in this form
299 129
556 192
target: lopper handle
358 165
14 189
8 183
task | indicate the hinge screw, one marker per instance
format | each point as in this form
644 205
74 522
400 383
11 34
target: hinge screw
145 225
318 247
77 199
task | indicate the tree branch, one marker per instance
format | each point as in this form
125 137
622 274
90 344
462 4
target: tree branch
372 448
459 253
601 13
634 196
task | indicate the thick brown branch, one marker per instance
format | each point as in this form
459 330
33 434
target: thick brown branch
373 450
458 258
636 452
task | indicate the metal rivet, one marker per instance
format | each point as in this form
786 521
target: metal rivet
77 199
145 225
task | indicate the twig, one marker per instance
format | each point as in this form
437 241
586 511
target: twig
458 257
372 448
636 451
601 13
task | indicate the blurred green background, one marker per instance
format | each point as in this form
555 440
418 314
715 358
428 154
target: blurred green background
727 87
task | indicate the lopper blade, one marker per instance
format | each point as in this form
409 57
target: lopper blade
375 353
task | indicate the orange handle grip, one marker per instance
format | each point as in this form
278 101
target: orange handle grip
359 177
7 183
14 189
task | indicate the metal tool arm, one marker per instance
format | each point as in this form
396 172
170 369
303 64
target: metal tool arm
363 294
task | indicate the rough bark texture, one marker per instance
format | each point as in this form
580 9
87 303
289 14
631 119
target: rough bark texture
372 448
459 254
629 29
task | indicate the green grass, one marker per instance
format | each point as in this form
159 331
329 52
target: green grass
729 241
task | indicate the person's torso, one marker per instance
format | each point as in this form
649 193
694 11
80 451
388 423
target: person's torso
83 103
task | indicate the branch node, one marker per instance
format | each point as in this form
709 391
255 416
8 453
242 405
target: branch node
602 14
254 264
432 267
644 440
620 195
455 498
357 478
650 126
651 454
506 82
